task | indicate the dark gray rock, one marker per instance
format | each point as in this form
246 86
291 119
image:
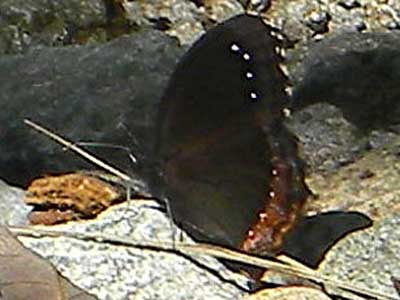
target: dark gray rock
353 80
359 73
326 137
87 93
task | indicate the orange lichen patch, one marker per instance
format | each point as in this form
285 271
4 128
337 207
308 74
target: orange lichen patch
61 198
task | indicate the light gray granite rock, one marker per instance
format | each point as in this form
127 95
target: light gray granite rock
117 272
13 210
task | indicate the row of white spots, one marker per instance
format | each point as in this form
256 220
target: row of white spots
282 53
276 35
249 75
262 215
246 57
274 173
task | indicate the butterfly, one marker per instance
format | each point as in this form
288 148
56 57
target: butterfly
230 167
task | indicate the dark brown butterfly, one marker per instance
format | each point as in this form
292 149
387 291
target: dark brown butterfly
230 167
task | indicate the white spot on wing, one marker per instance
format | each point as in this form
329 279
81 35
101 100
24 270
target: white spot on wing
249 75
286 112
284 70
289 90
235 47
253 95
246 56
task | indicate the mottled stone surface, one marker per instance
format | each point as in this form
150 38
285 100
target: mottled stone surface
369 185
368 259
327 139
306 22
186 19
35 23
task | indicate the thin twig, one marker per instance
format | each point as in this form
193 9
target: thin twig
80 151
